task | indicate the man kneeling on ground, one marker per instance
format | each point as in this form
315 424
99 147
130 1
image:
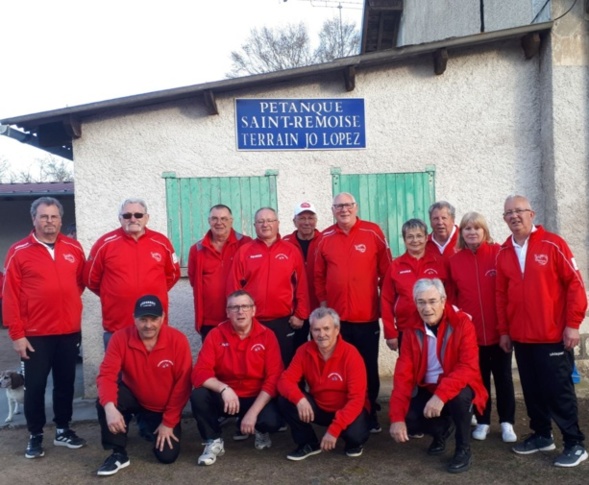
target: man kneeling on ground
235 375
146 369
437 376
337 397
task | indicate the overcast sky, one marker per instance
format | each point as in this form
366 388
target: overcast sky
59 53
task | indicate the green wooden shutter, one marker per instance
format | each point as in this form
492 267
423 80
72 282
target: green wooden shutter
188 201
389 199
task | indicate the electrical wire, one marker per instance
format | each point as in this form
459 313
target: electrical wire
557 18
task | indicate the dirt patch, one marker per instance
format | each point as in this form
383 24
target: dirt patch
383 462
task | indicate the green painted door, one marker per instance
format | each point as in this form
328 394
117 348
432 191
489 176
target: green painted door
389 199
188 201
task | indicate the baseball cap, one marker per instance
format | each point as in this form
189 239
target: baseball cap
148 305
304 206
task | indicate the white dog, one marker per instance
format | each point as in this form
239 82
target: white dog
13 382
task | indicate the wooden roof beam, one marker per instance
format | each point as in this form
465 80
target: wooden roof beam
210 102
350 78
440 61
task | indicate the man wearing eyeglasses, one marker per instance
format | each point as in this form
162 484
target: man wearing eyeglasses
306 237
236 375
127 263
541 303
437 377
209 262
351 261
43 312
272 271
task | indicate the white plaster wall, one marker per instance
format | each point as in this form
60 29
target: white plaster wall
478 124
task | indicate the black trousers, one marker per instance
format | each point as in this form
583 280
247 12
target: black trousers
58 354
204 331
207 408
549 393
366 338
457 411
356 434
301 335
128 405
493 360
285 335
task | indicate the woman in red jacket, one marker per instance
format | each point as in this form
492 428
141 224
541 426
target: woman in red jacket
398 309
471 277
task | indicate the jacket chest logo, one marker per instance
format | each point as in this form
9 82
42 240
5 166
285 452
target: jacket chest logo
255 256
430 271
281 257
164 364
361 248
541 259
70 258
257 348
335 376
157 257
491 273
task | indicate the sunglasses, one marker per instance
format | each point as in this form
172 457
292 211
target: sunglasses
136 215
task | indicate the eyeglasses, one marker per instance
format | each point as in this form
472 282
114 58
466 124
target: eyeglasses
136 215
306 218
347 205
424 303
515 212
416 237
239 308
265 221
219 219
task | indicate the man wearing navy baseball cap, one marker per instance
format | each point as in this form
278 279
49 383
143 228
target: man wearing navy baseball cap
154 363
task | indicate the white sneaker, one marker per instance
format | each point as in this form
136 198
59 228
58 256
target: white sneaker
473 421
262 441
481 432
213 449
507 433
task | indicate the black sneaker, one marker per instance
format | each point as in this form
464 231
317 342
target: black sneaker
374 425
304 451
113 464
461 461
571 456
68 438
35 446
354 452
533 444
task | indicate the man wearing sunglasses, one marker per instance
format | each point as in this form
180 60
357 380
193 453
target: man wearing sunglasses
127 263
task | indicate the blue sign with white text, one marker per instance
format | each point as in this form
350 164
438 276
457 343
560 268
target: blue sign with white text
300 124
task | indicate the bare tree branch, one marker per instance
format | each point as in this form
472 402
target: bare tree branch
269 50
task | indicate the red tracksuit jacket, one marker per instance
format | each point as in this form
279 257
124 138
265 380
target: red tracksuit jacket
208 271
534 307
120 270
41 294
431 247
309 264
338 385
160 379
274 276
248 366
458 354
396 299
471 284
349 268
